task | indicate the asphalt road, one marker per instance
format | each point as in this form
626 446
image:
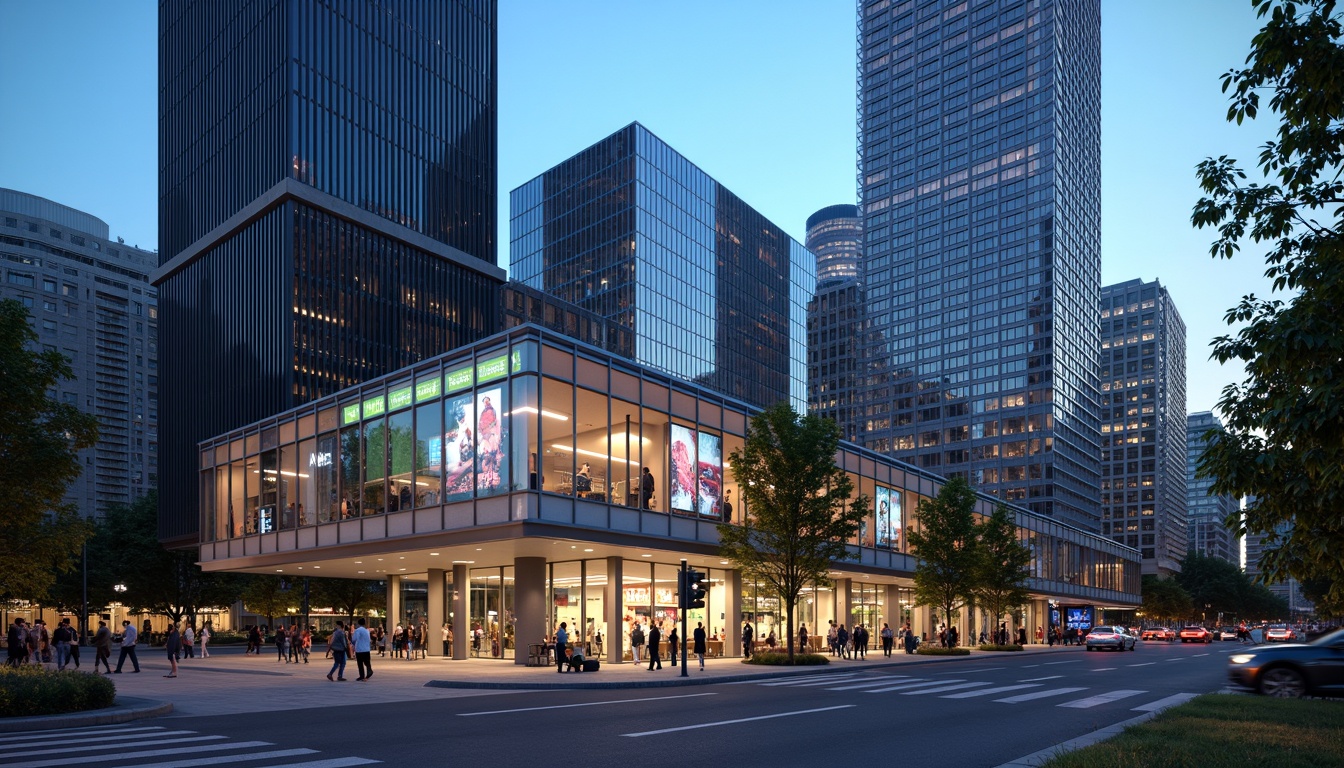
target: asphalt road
967 712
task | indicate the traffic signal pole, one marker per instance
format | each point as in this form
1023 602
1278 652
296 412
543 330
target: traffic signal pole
682 592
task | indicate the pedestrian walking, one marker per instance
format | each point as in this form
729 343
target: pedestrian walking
561 642
74 645
188 642
888 639
339 646
655 637
173 645
802 639
861 642
363 645
128 639
62 637
102 647
911 642
637 641
842 641
295 643
831 635
747 633
699 643
16 643
672 641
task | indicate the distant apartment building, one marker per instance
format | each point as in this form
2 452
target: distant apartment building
1208 534
1142 409
979 173
90 299
1290 590
712 291
836 318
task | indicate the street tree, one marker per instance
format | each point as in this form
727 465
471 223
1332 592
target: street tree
347 597
1284 421
1001 563
40 439
266 595
1165 600
799 514
944 540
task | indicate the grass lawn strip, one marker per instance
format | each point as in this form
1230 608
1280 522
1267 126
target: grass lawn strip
1214 731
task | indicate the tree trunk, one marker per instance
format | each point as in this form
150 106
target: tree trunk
789 605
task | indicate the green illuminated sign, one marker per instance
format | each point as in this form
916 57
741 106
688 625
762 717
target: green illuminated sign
456 380
398 398
494 368
350 414
517 359
374 406
427 389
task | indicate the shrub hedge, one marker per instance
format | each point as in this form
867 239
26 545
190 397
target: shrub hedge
936 650
777 659
30 690
1009 647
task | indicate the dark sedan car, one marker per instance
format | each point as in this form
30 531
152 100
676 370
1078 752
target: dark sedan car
1292 670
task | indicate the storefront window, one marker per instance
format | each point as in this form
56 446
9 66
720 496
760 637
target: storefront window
594 438
485 602
508 594
636 599
223 525
238 498
566 598
428 453
734 506
528 472
665 612
268 518
324 503
653 455
401 450
623 443
352 473
207 504
557 439
375 465
253 474
594 606
289 486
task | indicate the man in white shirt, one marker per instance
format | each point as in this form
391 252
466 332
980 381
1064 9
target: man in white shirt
128 639
363 648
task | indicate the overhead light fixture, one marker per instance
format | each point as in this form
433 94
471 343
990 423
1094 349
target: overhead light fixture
723 562
433 554
594 454
464 562
544 412
621 438
317 567
646 555
278 472
588 550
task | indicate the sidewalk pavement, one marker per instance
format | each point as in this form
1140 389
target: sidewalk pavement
232 683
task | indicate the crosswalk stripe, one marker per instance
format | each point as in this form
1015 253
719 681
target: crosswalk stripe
334 762
988 691
815 683
1099 699
66 734
199 762
1104 669
1038 679
80 739
941 689
1039 695
810 679
1169 701
122 757
886 681
904 686
94 747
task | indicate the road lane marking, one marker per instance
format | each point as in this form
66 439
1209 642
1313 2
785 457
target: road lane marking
1170 701
913 685
81 739
718 723
1071 661
226 759
789 678
1039 695
887 681
1038 679
1197 655
1099 699
971 671
124 756
28 752
1029 666
943 688
989 691
583 704
1174 659
1144 664
1103 669
816 683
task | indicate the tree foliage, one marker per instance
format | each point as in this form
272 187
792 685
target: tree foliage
1226 590
944 539
347 597
266 595
1001 563
1284 438
799 511
40 437
1165 601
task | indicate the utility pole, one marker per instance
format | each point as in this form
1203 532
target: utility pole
683 588
84 604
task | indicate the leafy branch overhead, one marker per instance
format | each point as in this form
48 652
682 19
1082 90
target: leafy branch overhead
1284 438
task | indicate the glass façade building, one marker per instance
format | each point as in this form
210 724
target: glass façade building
327 205
1208 535
711 290
979 129
837 319
496 488
1143 425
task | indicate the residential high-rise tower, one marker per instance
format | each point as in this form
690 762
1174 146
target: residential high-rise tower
979 173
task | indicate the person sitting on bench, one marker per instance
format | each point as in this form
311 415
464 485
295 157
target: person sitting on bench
575 656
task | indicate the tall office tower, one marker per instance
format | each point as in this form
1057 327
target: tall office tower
1289 590
1143 423
1208 534
836 318
713 292
326 205
979 171
90 300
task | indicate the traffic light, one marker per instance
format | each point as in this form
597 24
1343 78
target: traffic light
693 591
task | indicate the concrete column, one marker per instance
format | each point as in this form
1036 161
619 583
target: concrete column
461 612
842 604
614 640
435 614
393 606
529 602
732 613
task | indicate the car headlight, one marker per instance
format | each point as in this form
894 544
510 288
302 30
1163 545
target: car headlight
1241 658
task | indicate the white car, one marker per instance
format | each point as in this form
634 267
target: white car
1117 638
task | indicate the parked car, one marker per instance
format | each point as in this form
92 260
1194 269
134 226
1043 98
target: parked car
1196 634
1158 633
1117 638
1226 633
1281 633
1293 669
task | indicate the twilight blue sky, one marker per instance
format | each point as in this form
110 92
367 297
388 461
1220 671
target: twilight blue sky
758 93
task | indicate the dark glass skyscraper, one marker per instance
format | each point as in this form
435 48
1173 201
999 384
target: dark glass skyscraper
979 127
836 319
1208 535
713 291
326 201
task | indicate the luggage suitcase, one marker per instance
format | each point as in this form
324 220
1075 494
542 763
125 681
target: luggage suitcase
591 665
